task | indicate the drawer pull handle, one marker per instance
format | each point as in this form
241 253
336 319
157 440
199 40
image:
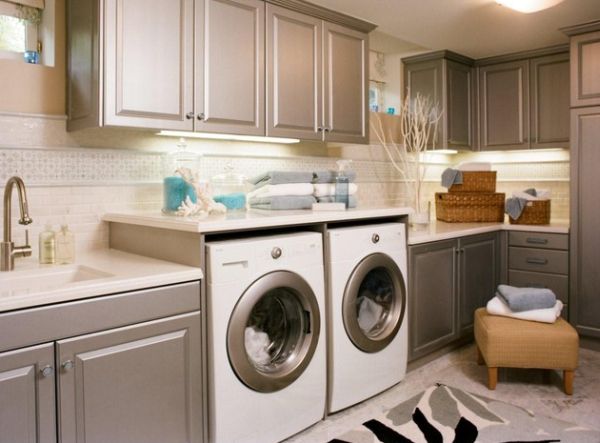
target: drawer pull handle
537 261
537 241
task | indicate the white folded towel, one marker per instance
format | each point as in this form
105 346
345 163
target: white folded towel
474 166
324 189
288 189
497 307
542 194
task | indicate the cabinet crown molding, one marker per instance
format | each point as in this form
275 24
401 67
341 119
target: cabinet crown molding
436 55
582 28
325 14
523 55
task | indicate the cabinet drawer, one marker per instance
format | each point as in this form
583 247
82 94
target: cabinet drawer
539 260
539 240
557 283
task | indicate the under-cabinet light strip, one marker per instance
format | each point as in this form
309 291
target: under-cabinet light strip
231 137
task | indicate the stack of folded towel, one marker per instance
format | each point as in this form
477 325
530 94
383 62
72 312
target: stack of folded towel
532 304
324 187
516 204
281 190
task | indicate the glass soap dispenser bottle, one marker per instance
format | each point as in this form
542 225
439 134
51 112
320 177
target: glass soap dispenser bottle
342 182
47 246
65 245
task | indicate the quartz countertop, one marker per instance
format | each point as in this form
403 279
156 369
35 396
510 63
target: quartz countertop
32 284
438 230
251 219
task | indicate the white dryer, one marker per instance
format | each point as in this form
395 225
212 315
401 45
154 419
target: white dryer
266 337
367 300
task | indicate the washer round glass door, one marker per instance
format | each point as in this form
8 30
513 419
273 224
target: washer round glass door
273 331
374 303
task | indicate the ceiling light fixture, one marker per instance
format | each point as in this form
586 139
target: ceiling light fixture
528 6
230 137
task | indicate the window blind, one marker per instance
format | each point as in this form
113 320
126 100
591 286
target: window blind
32 3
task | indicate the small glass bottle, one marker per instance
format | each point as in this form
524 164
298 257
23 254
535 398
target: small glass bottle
230 189
47 252
342 183
65 246
175 188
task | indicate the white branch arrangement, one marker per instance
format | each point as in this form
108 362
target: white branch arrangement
205 204
419 118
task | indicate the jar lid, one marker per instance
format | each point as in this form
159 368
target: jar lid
229 177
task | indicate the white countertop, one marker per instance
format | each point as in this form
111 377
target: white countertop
438 230
32 284
251 219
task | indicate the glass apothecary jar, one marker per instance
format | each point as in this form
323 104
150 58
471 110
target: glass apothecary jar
230 189
175 188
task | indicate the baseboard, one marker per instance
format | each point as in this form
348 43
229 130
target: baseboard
589 343
422 361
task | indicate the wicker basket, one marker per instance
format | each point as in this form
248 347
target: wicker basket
476 181
536 212
469 207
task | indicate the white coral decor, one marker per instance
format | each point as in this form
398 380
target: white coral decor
205 205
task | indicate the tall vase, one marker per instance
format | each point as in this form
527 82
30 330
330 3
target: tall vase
419 220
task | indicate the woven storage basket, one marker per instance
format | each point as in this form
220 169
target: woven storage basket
469 207
476 181
536 212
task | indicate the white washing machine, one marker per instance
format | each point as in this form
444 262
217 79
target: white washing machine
266 337
367 315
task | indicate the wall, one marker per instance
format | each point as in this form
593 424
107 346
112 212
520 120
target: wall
36 89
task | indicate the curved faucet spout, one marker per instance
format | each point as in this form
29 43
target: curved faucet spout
7 249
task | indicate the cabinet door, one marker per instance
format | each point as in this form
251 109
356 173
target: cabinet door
27 412
550 119
504 106
346 61
459 116
585 70
140 383
294 74
479 275
585 218
230 73
148 63
432 296
427 79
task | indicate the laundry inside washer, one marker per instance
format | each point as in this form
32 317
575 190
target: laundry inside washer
374 301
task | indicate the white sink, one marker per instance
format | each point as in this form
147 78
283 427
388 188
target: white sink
29 281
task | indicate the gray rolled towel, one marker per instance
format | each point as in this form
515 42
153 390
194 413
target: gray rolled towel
451 177
526 299
352 201
329 176
283 202
281 178
514 207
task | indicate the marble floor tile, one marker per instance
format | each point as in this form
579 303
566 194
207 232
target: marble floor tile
537 390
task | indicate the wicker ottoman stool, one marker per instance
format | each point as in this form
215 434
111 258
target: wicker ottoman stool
511 343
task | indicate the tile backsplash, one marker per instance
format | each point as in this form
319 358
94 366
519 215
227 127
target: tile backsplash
77 177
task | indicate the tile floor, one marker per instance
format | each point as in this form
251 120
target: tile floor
537 390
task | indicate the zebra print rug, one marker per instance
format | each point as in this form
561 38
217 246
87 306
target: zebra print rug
444 414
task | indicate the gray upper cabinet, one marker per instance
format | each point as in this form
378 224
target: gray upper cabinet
148 63
345 112
230 73
550 101
294 74
447 78
585 69
504 106
27 412
140 383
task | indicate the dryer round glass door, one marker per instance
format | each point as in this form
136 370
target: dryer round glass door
273 331
374 302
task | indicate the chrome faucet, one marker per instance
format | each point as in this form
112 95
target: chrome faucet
8 251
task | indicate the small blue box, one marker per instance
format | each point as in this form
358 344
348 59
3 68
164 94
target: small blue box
32 57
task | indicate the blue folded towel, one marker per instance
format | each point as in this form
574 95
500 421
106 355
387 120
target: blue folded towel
352 201
451 177
329 176
514 207
281 178
283 202
526 299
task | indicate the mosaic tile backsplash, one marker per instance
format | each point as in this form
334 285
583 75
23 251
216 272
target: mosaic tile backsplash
77 177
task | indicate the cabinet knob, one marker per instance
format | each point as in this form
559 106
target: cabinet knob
276 253
327 129
375 238
201 116
319 129
47 371
67 365
189 115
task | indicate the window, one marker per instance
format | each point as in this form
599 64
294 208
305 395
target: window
18 29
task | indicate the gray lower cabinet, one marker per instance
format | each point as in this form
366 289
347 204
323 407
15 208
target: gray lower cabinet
27 402
134 384
449 280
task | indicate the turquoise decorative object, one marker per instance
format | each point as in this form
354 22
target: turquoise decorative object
232 202
175 191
